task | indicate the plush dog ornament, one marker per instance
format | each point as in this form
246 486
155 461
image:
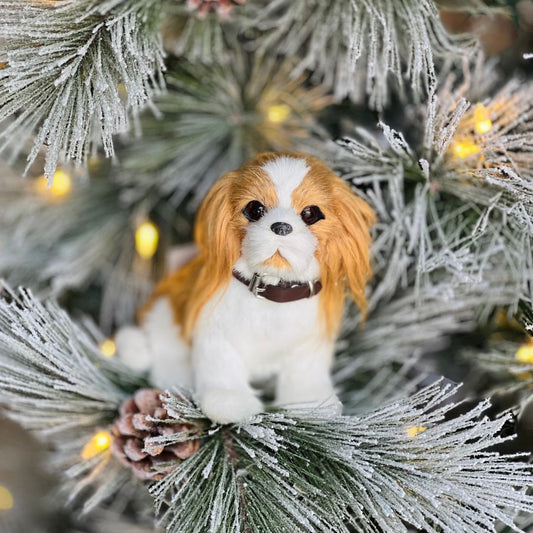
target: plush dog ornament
281 242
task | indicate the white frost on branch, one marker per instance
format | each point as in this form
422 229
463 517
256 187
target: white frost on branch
358 46
403 463
55 383
455 203
75 73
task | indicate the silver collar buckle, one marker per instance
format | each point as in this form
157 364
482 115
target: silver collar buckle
254 287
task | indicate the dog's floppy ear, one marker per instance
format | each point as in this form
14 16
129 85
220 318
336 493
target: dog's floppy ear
356 217
346 267
215 232
218 242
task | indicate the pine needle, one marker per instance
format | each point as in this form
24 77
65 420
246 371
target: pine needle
75 73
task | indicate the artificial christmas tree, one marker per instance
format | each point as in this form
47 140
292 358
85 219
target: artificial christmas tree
130 110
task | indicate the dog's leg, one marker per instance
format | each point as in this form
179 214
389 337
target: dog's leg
305 380
221 382
157 348
132 348
170 355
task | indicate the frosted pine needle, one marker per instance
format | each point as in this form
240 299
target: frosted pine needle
55 382
305 471
374 42
216 117
456 202
75 73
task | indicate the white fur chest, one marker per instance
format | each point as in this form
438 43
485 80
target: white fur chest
262 333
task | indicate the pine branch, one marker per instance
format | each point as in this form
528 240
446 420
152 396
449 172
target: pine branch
55 245
402 330
55 382
66 62
216 117
290 471
53 377
374 42
200 39
441 213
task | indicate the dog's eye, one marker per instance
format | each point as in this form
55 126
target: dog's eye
254 210
312 214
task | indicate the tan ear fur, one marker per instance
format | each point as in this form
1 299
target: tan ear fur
192 286
345 261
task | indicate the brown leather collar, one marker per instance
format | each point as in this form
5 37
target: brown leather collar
285 291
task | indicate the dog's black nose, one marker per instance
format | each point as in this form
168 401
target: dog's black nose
281 228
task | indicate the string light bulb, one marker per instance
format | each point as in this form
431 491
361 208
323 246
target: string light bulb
465 147
122 91
6 499
278 113
146 239
60 187
524 354
98 443
483 123
108 347
413 431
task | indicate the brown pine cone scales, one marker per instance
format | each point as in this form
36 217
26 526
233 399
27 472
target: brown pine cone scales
222 7
132 429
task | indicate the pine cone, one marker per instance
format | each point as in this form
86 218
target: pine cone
132 429
222 7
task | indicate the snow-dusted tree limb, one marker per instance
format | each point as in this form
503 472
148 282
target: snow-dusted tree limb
457 201
53 377
200 39
215 117
305 471
55 382
75 73
403 329
84 238
372 42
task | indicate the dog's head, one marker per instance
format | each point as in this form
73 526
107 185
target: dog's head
288 217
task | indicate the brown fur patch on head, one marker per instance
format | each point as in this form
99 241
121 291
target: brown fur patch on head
343 239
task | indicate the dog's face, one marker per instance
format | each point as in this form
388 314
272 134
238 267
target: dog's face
287 216
278 239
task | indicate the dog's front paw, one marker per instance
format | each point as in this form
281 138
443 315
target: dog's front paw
230 406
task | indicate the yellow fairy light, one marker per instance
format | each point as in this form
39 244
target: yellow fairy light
413 431
146 239
482 119
60 187
108 347
464 148
98 443
524 354
6 499
122 91
278 113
